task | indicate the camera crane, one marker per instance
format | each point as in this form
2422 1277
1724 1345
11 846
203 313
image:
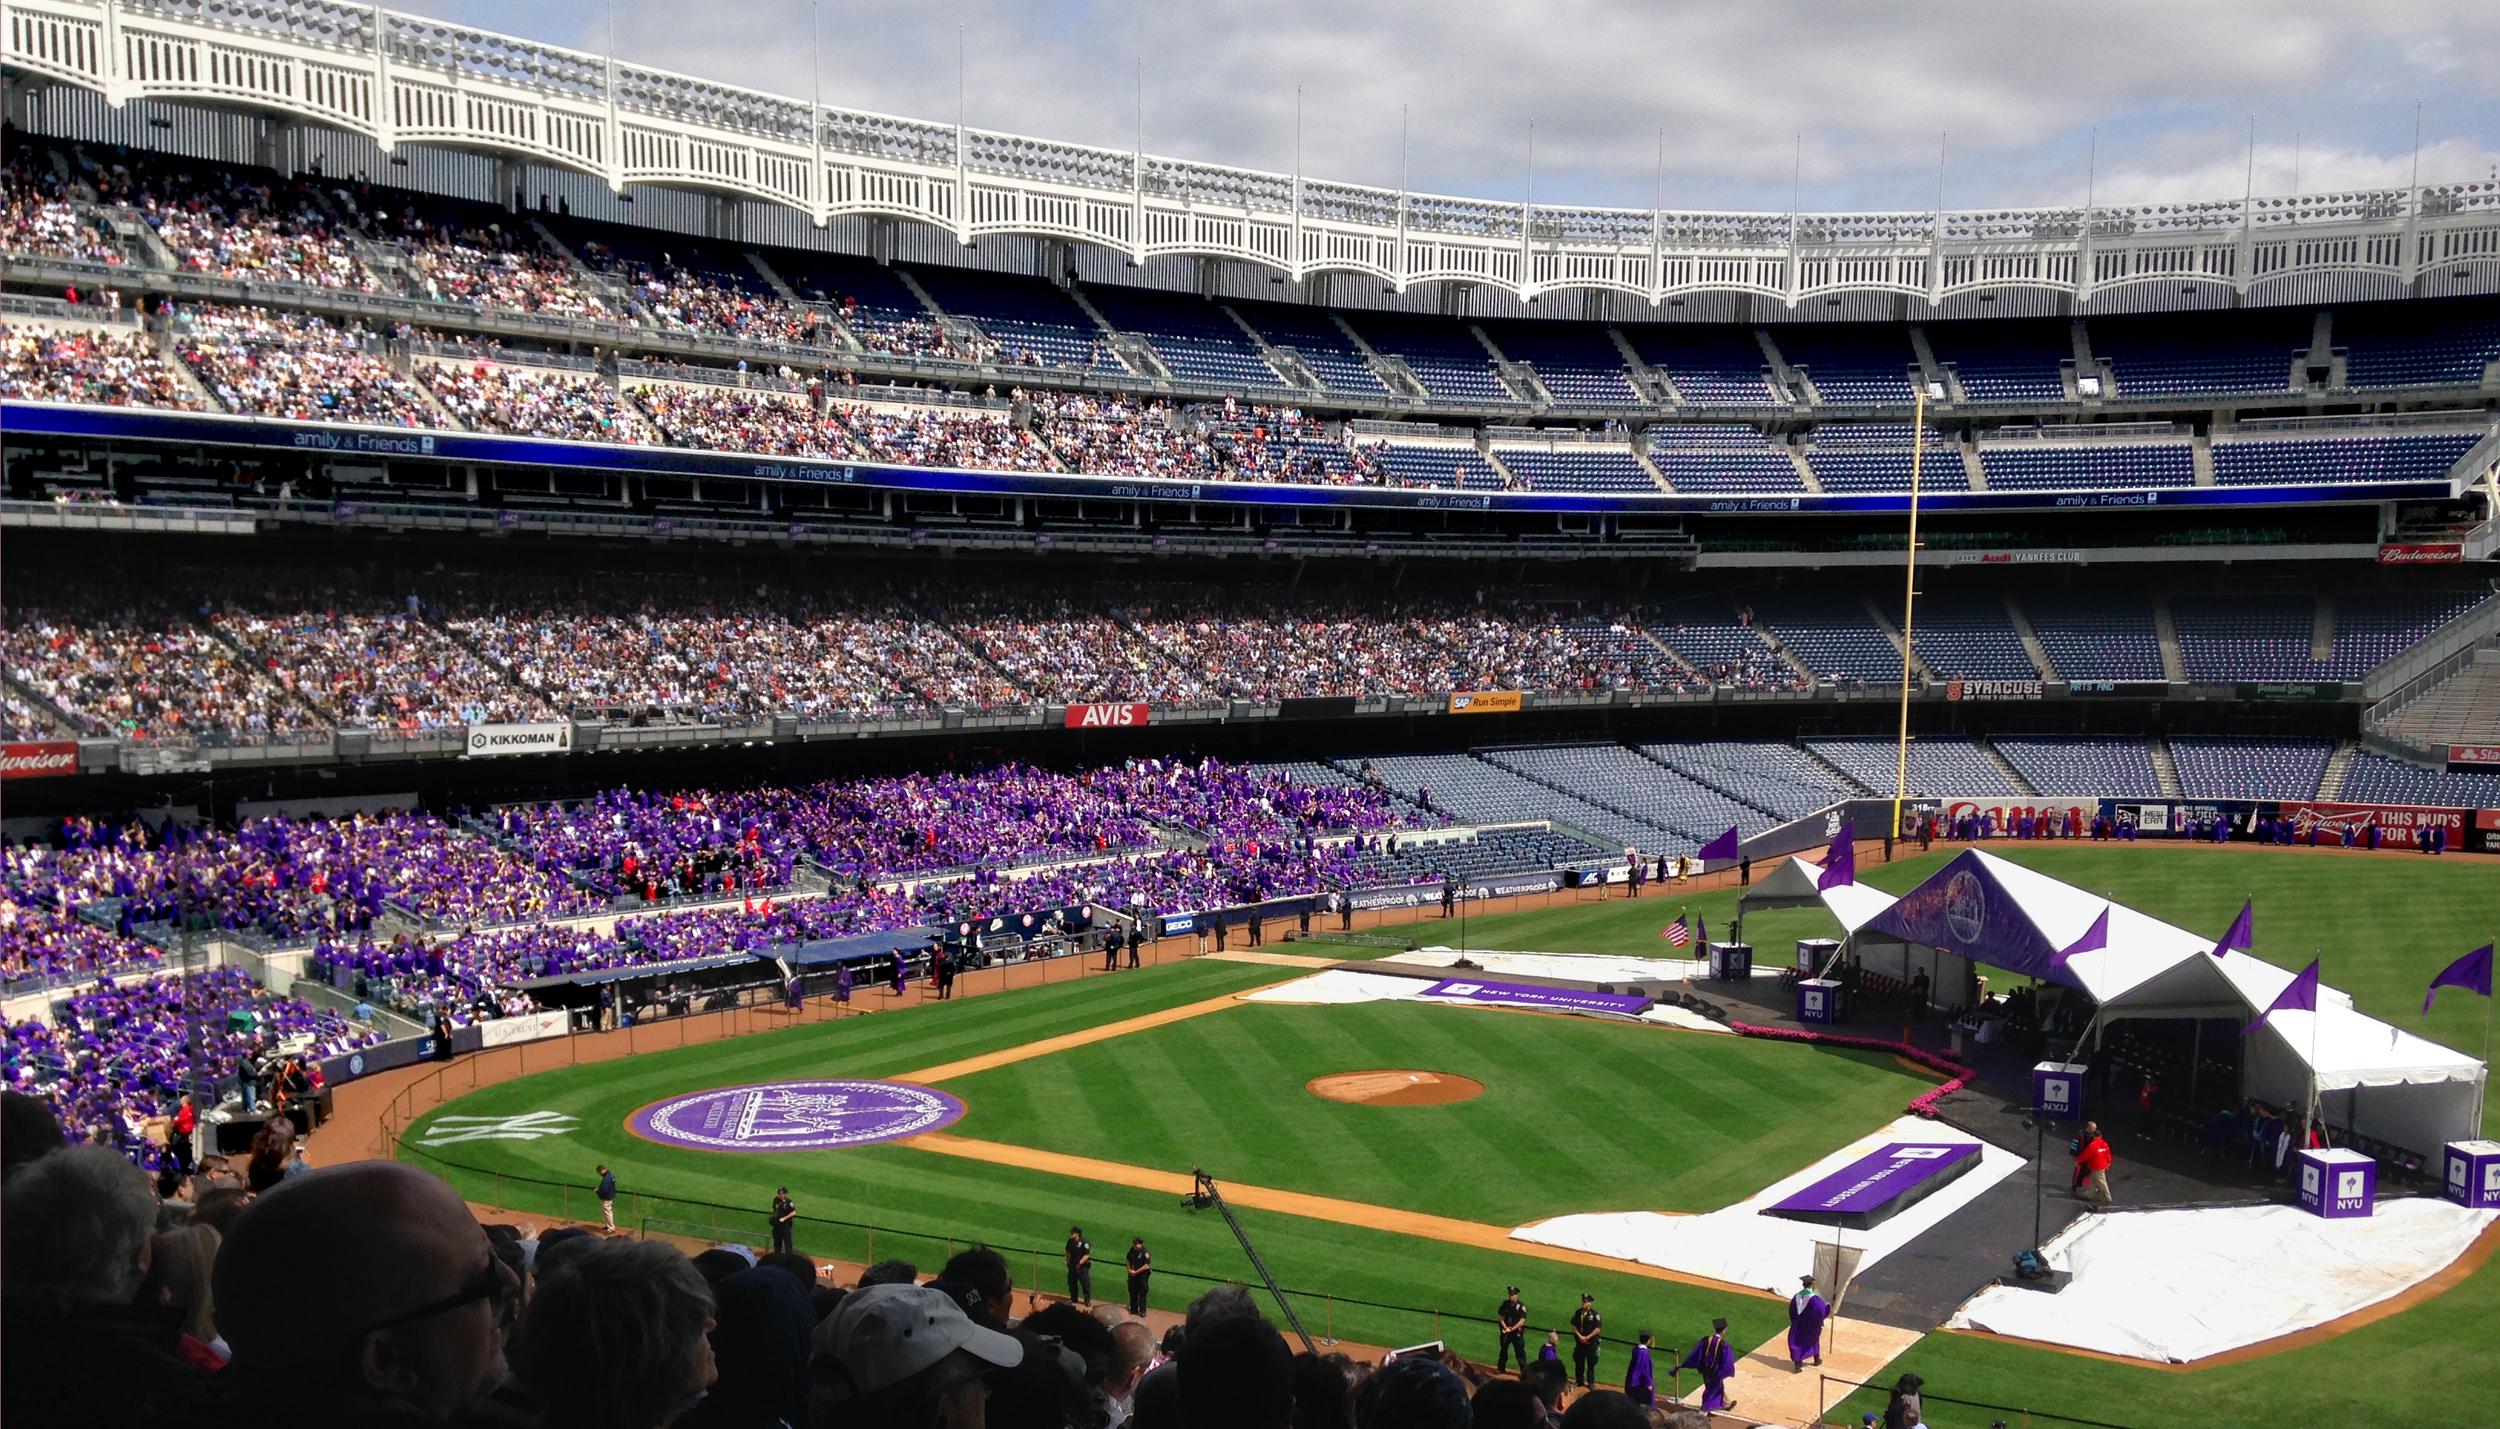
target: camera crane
1205 1195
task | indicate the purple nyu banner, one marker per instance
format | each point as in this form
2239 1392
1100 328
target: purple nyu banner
1962 909
1536 999
1874 1186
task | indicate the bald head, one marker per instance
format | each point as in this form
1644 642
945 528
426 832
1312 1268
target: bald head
311 1268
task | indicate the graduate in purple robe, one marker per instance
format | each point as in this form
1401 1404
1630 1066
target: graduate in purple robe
1715 1360
1640 1382
898 972
842 983
1806 1313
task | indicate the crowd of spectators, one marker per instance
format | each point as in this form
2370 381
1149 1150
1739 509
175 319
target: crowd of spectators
764 422
135 667
983 440
98 366
37 214
1270 649
41 942
228 224
1060 651
494 263
535 402
1279 444
367 660
265 363
1109 435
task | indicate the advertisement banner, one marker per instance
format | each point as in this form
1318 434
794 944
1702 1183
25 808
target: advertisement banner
2394 822
1106 716
1536 999
2003 818
2421 553
2136 689
1428 893
1485 702
38 758
2288 690
1992 689
493 741
529 1027
2460 756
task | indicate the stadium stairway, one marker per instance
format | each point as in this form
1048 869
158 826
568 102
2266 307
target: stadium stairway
2338 764
2166 769
2003 765
2166 630
2032 647
1839 775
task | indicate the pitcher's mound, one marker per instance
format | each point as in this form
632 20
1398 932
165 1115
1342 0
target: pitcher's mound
1397 1088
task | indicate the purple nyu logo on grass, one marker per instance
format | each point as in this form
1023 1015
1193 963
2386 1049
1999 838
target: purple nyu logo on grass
794 1116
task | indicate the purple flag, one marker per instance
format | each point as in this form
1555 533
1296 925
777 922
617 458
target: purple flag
2093 940
1701 927
1726 845
2471 972
2301 996
1840 865
2242 934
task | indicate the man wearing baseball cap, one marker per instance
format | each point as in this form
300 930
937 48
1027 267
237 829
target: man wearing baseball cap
904 1357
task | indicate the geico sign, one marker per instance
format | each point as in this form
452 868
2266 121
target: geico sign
25 761
1105 716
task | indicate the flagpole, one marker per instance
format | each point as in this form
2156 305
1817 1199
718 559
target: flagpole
1909 599
2318 960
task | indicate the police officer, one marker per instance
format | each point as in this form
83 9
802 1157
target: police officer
1513 1319
1585 1324
1136 940
785 1220
1080 1266
1141 1268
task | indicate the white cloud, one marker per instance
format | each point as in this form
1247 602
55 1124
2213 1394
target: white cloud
1869 87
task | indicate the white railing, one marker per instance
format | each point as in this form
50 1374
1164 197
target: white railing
404 79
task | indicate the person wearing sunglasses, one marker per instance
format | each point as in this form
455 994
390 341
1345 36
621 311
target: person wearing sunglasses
410 1304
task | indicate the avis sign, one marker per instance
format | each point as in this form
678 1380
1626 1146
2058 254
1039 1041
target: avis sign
38 758
1107 716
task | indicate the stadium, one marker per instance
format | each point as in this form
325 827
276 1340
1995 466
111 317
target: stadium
584 647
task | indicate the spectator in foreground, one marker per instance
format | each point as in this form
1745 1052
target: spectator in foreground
903 1357
1237 1374
619 1339
759 1343
362 1293
77 1248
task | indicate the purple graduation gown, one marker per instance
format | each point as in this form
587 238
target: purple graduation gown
1806 1312
1715 1359
1641 1380
842 982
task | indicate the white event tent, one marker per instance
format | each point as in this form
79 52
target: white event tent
2371 1077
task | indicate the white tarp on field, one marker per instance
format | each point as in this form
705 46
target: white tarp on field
1617 972
2180 1285
1743 1246
1342 985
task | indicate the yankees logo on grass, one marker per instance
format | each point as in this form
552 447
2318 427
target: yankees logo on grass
794 1116
528 1126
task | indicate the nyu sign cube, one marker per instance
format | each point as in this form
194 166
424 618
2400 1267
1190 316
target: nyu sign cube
2469 1174
2057 1090
2337 1182
1818 1001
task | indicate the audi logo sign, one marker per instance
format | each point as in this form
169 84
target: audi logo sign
29 761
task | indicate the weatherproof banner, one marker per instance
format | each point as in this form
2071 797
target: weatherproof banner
529 1027
38 758
1536 999
1485 702
1107 716
493 741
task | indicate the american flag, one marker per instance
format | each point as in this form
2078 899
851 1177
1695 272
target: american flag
1678 933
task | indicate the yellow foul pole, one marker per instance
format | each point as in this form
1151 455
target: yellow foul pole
1909 601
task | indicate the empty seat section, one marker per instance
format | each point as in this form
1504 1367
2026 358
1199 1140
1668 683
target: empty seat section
2016 361
1417 464
2418 344
1834 636
2082 768
2086 468
1615 777
2249 768
1194 337
1314 339
1855 468
1576 361
1777 778
2247 637
2370 630
1970 637
1442 354
1940 765
2424 456
1705 459
2377 779
1729 651
1853 363
1710 366
1033 323
1575 468
2095 637
2249 351
1477 792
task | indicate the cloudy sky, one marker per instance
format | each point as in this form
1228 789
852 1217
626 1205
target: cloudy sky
1850 103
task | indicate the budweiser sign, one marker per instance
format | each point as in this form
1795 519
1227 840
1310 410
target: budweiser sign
28 761
1106 716
2421 553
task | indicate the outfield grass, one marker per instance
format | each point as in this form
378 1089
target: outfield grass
927 1204
1577 1115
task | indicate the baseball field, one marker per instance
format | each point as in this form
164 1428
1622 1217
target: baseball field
1089 1102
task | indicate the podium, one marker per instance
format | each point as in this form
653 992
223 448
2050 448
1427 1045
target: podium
2057 1090
1818 1001
1815 954
2469 1174
2337 1182
1731 962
